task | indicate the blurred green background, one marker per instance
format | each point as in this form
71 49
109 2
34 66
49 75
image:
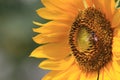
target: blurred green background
16 42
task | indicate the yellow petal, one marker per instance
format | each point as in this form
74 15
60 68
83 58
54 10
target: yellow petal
78 4
110 8
53 15
116 19
53 26
99 4
103 5
74 75
69 6
52 50
116 66
110 69
89 3
67 73
83 76
48 38
50 75
116 55
56 4
92 76
85 4
88 76
57 64
71 73
103 75
37 23
116 42
116 45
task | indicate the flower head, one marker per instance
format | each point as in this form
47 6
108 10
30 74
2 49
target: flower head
81 40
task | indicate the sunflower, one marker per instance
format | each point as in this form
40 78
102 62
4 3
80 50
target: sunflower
81 40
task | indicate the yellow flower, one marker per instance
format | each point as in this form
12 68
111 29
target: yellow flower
81 40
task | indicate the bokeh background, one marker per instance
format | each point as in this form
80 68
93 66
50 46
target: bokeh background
16 42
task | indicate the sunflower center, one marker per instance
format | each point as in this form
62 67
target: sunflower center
85 38
90 39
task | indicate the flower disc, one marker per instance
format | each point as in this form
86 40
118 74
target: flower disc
90 39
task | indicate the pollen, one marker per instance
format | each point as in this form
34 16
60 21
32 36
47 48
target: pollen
90 39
